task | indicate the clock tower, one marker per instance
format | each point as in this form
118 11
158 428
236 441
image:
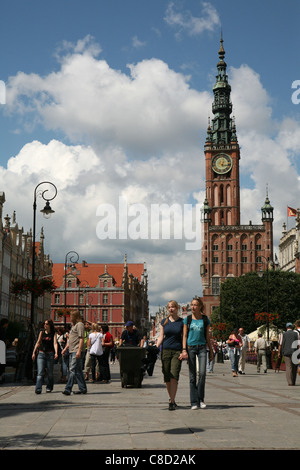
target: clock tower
229 248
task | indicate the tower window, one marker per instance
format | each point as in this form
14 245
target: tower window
215 286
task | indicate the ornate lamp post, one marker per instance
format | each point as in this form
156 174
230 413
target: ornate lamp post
47 211
71 259
268 318
260 273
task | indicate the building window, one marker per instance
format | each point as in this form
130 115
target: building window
215 247
229 259
57 298
258 259
229 247
104 315
105 298
258 247
215 286
244 259
244 247
81 298
215 259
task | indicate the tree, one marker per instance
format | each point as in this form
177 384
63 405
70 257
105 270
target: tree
276 292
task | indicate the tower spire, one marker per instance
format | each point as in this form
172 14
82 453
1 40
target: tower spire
222 107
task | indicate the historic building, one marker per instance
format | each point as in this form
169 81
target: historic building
289 246
104 293
229 248
16 265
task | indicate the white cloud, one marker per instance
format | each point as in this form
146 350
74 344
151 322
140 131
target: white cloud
192 25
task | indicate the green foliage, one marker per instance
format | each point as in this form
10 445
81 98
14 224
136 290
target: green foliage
275 291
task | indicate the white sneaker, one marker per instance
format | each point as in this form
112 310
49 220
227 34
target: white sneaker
202 405
194 407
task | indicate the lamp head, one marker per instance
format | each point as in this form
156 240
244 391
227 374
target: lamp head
47 211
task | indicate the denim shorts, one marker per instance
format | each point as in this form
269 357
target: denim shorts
171 365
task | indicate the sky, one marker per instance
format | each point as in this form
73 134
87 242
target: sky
110 101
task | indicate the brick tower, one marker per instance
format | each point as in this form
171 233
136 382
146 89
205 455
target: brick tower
228 248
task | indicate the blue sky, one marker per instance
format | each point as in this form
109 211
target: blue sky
163 54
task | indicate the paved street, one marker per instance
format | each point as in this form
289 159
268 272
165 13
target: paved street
254 411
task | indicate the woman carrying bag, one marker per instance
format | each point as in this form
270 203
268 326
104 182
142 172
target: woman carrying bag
94 344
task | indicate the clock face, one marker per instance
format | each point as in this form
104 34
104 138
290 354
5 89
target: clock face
221 163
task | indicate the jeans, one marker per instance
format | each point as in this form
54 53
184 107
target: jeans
65 364
234 356
44 361
75 371
197 353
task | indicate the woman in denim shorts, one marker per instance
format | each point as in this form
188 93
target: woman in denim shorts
171 340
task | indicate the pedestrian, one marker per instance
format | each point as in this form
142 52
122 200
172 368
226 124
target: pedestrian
95 346
46 352
3 337
75 346
287 348
62 339
234 343
210 364
196 340
260 347
170 338
108 344
130 336
246 347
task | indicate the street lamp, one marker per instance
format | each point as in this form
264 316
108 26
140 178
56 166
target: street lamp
260 273
71 259
47 211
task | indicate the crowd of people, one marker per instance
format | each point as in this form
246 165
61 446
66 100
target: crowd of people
86 350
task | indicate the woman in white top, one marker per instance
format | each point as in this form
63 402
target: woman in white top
94 344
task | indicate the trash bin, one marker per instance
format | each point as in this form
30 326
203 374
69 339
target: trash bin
131 360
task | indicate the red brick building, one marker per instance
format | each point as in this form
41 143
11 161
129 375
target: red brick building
104 293
229 248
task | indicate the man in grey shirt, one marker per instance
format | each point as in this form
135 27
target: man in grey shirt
76 348
287 348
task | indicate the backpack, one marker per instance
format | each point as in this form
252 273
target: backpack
205 322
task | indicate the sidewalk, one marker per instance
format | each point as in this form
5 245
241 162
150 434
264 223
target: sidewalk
252 411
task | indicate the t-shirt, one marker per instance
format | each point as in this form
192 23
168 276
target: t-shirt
96 344
196 334
133 338
76 333
172 334
47 342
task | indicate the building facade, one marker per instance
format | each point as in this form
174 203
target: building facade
229 248
289 247
103 293
16 265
